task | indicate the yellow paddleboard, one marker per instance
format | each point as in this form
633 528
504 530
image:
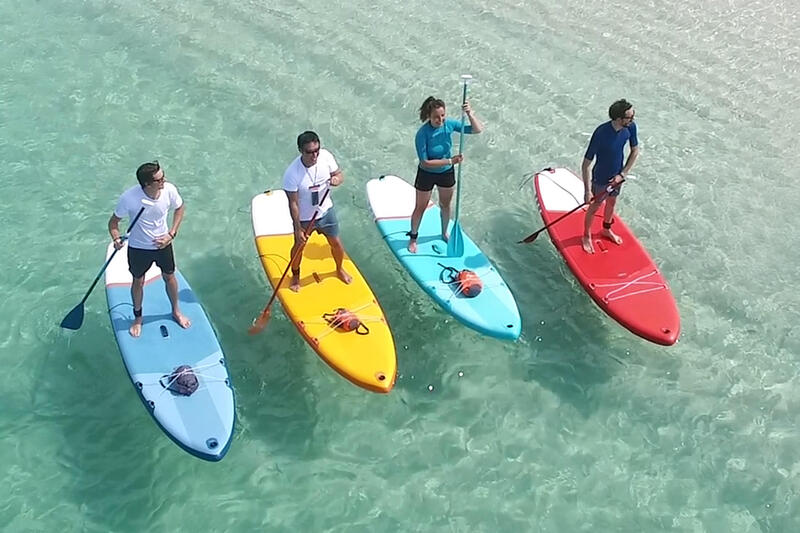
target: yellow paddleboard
366 356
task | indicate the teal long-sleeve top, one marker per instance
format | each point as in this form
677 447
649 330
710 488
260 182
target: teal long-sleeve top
437 143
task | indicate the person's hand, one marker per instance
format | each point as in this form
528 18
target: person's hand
467 108
118 242
163 241
619 178
587 196
456 159
300 235
336 180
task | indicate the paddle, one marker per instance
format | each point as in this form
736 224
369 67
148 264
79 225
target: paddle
455 245
532 237
260 322
74 319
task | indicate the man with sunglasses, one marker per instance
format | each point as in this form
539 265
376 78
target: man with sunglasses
608 146
150 240
306 181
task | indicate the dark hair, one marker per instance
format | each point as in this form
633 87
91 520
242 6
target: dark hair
146 171
305 138
618 109
427 106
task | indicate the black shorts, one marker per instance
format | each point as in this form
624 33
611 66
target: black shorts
140 260
426 180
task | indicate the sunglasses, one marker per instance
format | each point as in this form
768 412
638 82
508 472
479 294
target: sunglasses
163 174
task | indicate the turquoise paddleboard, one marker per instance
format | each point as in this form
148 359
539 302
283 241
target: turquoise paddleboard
493 312
202 422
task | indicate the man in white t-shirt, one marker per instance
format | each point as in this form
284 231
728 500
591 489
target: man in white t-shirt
149 239
306 182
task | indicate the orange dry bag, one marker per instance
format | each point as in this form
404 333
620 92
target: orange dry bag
465 281
346 321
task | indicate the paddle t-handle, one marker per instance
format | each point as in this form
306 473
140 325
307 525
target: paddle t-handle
74 319
260 322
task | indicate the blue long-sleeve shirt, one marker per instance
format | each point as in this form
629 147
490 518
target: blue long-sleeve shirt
437 143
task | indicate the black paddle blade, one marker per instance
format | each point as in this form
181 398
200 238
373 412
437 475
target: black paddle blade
530 238
74 318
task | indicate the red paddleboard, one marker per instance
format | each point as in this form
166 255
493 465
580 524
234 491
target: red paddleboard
622 279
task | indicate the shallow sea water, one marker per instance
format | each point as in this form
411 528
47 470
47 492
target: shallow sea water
578 426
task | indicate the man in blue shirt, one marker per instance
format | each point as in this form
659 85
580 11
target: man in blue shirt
608 146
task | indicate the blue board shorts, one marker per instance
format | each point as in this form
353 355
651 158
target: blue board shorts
600 188
327 225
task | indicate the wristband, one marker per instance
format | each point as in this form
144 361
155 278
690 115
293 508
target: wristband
172 235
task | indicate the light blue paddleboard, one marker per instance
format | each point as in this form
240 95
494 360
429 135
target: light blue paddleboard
202 423
493 312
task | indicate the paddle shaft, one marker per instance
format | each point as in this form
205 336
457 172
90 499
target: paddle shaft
108 261
460 151
296 253
532 237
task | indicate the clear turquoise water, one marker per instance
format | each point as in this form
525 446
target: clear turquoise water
579 426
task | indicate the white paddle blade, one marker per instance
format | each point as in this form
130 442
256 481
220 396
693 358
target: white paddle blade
466 78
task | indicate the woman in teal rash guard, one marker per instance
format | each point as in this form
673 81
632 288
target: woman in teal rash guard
434 148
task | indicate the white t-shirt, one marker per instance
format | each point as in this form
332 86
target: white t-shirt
305 180
153 222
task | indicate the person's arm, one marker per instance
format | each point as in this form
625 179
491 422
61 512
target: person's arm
177 218
422 153
587 179
113 230
337 177
335 171
634 153
294 211
476 126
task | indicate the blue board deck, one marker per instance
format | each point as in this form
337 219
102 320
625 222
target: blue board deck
202 423
493 312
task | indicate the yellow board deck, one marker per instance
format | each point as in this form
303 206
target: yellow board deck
368 360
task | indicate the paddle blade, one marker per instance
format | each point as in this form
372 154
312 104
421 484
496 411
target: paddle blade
260 323
530 238
455 245
74 318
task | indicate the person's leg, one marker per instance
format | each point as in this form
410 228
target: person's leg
294 282
424 186
338 256
423 197
328 225
171 283
138 263
165 260
608 219
586 241
137 295
445 199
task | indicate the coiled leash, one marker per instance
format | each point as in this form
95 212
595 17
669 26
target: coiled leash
346 321
466 281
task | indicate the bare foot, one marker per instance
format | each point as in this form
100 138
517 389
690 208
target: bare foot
616 239
344 276
136 328
412 246
294 284
587 245
181 319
